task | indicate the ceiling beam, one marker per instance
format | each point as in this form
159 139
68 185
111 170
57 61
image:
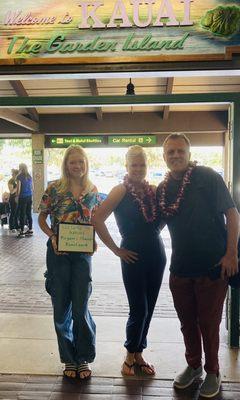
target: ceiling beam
140 100
18 119
169 90
94 91
137 123
21 91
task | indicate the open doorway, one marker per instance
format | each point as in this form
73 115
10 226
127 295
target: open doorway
12 153
107 165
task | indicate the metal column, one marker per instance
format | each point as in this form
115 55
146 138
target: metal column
234 294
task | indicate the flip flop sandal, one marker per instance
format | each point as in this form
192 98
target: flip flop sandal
145 366
84 367
130 366
70 371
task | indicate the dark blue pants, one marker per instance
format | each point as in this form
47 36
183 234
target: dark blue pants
13 224
142 281
69 284
25 211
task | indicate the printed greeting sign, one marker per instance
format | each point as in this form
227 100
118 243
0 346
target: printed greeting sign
75 238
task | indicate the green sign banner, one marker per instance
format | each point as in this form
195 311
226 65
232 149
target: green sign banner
55 141
37 156
65 141
97 31
130 140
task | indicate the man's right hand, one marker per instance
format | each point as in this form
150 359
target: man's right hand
229 264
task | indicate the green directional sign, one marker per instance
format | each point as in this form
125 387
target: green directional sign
65 141
129 140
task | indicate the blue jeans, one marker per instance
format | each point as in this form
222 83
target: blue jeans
68 281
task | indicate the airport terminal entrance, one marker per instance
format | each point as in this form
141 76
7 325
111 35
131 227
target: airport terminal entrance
107 76
219 128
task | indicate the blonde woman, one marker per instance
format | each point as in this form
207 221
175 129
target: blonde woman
68 278
142 254
12 186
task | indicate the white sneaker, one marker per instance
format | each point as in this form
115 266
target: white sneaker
21 235
29 233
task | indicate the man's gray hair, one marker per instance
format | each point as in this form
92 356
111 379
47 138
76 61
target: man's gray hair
176 136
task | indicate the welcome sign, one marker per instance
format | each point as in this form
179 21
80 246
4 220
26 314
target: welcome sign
97 31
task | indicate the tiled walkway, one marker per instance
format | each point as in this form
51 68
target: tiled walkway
22 283
107 299
29 387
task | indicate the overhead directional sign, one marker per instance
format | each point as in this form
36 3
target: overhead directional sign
129 140
60 141
65 141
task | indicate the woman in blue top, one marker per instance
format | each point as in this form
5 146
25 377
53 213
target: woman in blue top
141 251
24 194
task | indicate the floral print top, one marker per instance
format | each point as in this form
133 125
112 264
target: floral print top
63 207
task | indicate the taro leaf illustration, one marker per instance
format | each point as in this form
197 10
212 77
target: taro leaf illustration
223 21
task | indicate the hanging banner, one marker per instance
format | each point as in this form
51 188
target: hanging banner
98 31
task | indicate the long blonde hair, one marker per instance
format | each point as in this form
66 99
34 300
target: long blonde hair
64 180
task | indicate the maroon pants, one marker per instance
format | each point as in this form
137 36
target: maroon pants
199 305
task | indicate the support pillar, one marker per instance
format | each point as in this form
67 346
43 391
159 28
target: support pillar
234 294
38 169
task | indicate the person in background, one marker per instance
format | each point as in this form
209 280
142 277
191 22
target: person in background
24 197
4 209
12 186
195 202
72 198
141 252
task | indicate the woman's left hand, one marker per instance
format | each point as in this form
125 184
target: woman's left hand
126 255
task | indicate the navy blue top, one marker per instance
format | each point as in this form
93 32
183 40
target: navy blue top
131 222
198 242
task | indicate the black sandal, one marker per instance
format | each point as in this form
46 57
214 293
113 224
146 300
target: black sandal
70 371
84 367
143 368
130 366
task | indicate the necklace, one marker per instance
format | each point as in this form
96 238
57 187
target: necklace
172 209
145 197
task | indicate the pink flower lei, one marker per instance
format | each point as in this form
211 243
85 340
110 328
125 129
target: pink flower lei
145 197
172 209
